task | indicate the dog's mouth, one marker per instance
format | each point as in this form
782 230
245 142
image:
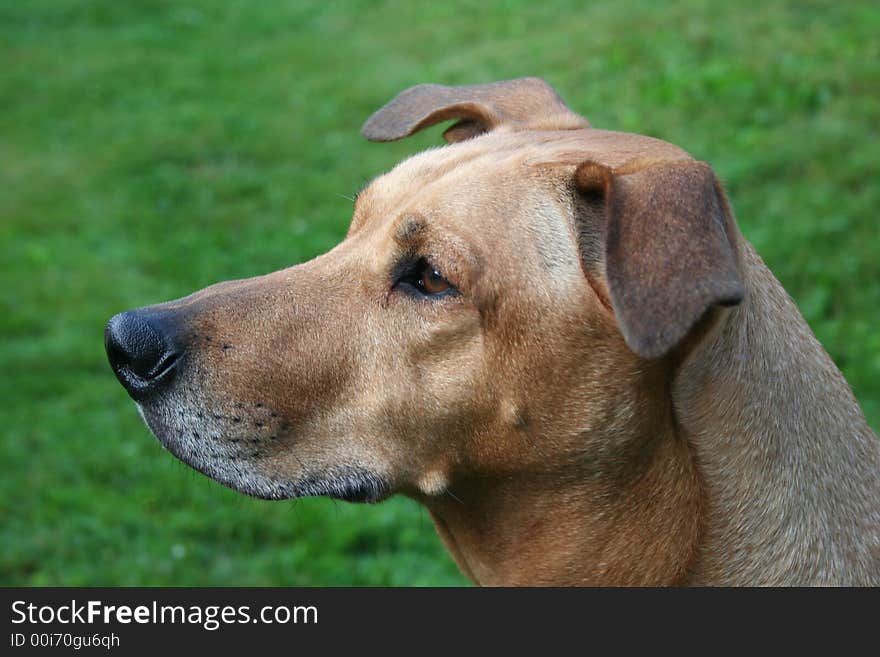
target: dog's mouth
242 461
213 417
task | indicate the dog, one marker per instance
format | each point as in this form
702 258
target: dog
556 339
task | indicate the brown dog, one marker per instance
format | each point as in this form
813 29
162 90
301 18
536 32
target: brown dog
555 338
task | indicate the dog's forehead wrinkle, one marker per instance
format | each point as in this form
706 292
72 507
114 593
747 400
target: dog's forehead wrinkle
422 170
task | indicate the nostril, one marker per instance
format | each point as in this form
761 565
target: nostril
138 351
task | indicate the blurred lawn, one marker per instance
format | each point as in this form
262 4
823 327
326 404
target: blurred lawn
151 148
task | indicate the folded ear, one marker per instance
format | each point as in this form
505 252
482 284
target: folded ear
522 104
668 249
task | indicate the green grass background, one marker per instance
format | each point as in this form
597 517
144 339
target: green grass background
149 148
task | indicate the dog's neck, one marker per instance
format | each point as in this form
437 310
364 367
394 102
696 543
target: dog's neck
788 463
564 527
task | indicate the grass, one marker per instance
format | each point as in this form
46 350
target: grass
150 148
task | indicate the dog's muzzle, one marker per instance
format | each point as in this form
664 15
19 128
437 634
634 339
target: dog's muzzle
143 351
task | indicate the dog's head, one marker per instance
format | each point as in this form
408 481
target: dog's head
499 305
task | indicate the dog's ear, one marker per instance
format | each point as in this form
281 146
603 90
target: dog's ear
668 248
522 104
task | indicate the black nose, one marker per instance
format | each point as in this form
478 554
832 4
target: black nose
142 351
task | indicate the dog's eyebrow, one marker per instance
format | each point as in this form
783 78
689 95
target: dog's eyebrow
409 230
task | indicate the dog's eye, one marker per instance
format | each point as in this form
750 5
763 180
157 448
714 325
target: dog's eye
424 278
432 282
